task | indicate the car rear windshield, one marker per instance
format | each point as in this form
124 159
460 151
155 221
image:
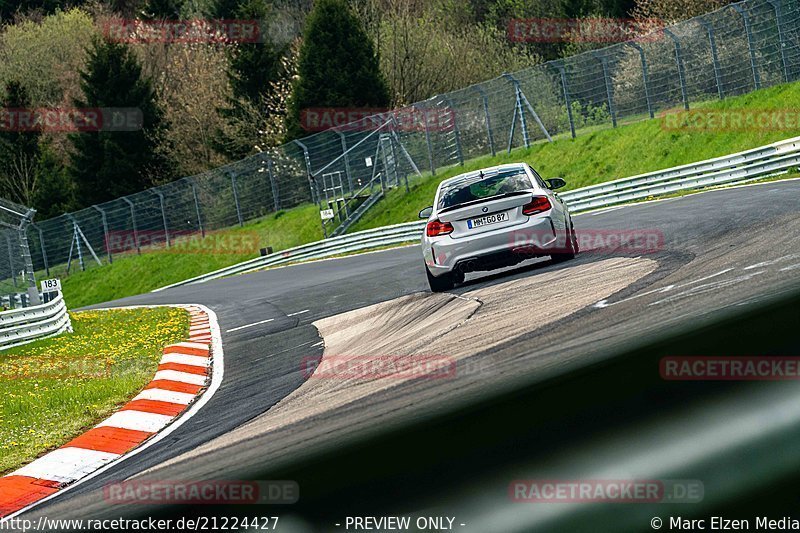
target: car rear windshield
483 187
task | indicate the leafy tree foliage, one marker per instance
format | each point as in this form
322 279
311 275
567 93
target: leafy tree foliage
338 66
109 164
19 150
254 68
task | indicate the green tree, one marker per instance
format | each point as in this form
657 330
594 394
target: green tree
30 173
9 8
55 194
107 164
162 9
46 55
254 68
224 9
255 65
19 151
338 66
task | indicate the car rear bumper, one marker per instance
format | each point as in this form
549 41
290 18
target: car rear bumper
491 249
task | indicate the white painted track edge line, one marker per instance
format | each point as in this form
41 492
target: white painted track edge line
237 328
216 381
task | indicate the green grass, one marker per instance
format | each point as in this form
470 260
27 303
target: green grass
53 389
135 274
606 154
598 154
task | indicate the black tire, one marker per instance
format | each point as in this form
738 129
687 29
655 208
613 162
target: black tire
572 247
442 283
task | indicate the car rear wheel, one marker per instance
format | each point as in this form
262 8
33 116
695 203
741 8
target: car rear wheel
442 283
571 247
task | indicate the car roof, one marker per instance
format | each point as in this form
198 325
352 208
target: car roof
487 170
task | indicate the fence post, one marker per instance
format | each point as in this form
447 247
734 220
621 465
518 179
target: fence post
781 37
11 260
105 232
489 133
235 190
346 157
315 198
459 150
394 160
44 251
609 89
645 77
22 231
133 221
748 31
679 61
76 240
193 185
427 136
563 75
518 111
163 214
521 98
712 41
276 203
396 137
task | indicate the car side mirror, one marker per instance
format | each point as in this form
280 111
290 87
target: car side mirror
555 183
425 213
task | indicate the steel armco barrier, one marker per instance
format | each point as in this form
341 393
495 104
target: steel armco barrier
362 240
734 168
21 326
740 167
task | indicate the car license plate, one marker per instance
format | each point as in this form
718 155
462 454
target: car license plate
485 221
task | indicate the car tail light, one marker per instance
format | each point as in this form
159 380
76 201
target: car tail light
536 205
436 228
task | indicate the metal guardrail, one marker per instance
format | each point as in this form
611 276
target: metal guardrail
21 326
15 300
735 168
362 240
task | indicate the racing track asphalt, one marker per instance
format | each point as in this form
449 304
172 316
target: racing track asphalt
723 249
